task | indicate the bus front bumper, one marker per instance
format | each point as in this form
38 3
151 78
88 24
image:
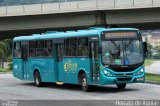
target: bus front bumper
121 79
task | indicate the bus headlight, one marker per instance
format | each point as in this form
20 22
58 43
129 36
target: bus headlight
141 71
107 73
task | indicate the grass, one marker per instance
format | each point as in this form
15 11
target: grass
4 70
152 77
148 62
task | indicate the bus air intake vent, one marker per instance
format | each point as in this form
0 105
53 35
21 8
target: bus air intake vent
125 79
123 74
128 69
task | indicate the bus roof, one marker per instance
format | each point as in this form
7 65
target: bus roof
93 31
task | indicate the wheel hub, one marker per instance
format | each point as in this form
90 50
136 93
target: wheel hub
84 82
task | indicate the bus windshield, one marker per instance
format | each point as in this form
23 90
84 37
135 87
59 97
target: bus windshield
122 52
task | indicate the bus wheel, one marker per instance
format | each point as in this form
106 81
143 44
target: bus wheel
85 86
121 86
37 79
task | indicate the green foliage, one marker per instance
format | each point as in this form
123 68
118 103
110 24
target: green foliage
3 70
149 47
5 50
148 62
9 59
156 51
153 77
10 66
157 48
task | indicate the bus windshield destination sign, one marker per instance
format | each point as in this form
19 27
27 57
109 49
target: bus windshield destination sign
113 35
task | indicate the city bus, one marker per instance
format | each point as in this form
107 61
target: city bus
95 56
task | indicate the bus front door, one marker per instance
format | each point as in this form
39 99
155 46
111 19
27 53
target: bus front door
25 59
94 62
58 56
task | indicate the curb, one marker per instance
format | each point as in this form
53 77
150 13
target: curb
152 82
5 72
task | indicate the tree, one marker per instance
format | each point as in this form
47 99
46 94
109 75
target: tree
5 50
149 48
157 48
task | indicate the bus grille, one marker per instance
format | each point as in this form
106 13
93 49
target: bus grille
123 69
125 74
125 79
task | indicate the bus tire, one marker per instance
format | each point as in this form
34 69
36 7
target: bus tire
121 86
37 79
85 86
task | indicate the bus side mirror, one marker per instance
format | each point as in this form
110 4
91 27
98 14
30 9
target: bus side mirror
145 50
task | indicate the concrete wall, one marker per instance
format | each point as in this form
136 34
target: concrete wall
103 4
50 7
46 21
15 10
76 6
142 2
156 2
68 6
77 14
34 8
120 3
3 11
133 16
87 5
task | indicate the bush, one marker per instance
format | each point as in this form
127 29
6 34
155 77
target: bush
10 66
3 69
9 59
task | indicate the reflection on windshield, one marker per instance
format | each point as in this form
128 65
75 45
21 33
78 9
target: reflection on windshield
122 52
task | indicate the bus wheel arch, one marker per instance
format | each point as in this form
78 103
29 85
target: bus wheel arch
80 73
37 78
82 79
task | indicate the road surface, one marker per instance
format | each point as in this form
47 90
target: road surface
12 88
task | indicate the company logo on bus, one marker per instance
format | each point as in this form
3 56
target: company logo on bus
70 66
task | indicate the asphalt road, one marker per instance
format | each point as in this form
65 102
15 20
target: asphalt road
14 89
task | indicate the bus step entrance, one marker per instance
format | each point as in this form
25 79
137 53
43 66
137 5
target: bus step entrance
59 83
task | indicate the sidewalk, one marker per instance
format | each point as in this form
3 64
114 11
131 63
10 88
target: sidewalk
153 68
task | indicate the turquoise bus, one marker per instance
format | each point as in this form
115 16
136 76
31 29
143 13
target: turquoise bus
95 56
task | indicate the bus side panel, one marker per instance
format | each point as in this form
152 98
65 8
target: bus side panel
18 68
45 67
72 66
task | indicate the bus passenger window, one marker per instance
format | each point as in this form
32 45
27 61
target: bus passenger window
31 49
83 47
39 48
48 50
17 49
71 47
